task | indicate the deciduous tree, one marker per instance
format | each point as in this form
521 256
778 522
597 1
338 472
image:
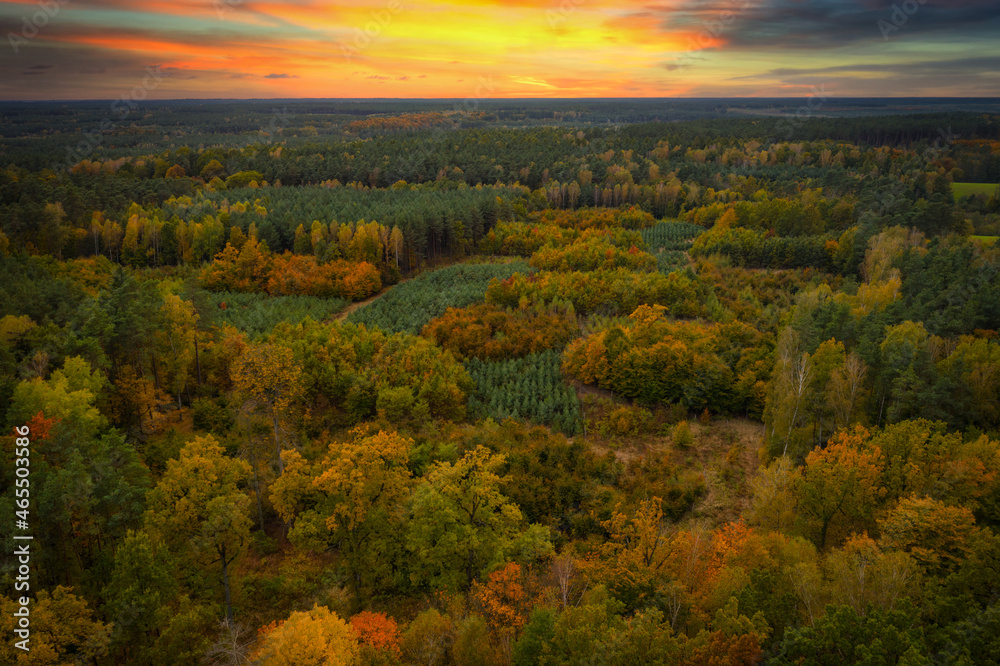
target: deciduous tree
266 378
199 509
317 637
460 522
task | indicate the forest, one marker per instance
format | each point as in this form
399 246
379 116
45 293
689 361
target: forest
546 382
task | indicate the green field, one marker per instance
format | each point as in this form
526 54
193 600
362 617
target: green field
985 240
968 189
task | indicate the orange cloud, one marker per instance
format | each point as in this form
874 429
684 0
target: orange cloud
416 48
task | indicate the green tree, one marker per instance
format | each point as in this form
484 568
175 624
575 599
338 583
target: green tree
461 524
427 639
843 636
69 396
536 640
199 510
142 583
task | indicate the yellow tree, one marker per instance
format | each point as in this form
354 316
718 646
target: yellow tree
396 242
828 358
62 631
789 394
302 243
638 547
345 234
643 557
977 363
111 238
318 238
864 575
199 510
353 499
846 390
773 501
175 337
311 638
939 537
841 482
267 379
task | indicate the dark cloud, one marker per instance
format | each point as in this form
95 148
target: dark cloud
683 62
965 77
986 65
825 24
280 76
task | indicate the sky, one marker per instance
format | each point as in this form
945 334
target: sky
177 49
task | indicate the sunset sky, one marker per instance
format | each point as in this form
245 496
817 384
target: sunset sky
101 49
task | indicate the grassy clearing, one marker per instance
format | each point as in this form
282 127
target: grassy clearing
726 452
968 189
985 240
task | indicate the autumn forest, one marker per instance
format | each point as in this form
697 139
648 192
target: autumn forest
539 382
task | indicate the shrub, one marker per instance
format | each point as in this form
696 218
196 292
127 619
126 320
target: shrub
428 639
682 435
626 421
395 404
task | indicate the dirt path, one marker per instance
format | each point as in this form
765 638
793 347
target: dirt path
342 315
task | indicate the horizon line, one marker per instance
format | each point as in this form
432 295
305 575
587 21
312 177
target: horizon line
493 99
